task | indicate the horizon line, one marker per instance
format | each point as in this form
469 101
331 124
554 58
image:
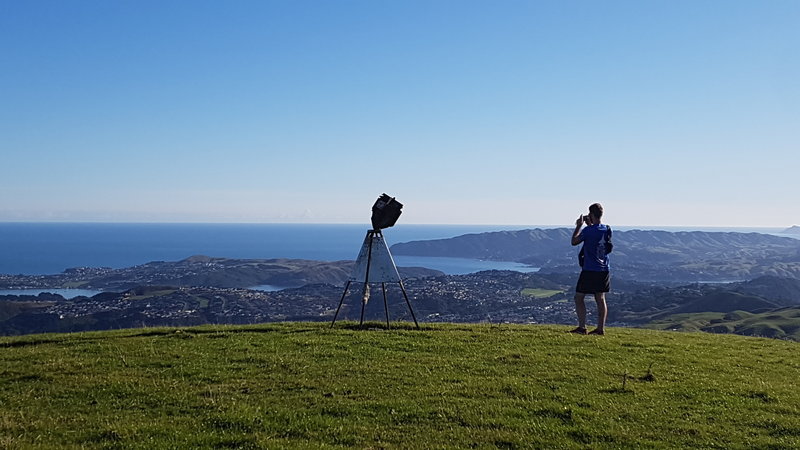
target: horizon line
104 222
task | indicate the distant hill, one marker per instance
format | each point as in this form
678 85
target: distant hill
644 305
202 270
723 301
537 246
795 229
781 323
786 290
638 303
638 254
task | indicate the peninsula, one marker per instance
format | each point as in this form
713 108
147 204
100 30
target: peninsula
638 254
200 271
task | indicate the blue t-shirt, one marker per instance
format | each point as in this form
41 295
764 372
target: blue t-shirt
594 248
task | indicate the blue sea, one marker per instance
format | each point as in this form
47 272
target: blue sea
49 248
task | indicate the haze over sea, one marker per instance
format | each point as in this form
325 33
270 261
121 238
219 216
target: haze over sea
47 248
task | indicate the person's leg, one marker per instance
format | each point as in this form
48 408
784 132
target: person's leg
602 311
580 309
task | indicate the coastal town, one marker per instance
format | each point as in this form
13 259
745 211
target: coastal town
719 273
493 296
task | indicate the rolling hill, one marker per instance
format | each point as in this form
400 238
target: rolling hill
302 385
780 323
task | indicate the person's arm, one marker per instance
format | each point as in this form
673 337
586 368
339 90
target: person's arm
576 235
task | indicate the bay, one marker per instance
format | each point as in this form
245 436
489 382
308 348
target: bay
460 266
49 248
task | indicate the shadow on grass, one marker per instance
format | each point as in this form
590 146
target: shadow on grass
221 332
617 390
375 326
30 342
79 337
565 415
470 327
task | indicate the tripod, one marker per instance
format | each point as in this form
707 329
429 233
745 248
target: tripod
374 264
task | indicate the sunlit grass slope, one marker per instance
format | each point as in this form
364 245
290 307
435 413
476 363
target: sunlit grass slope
781 323
305 385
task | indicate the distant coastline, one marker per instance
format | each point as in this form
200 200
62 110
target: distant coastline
50 248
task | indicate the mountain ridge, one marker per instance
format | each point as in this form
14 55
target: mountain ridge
794 229
639 254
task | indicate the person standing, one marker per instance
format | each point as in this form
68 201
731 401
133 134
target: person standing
595 277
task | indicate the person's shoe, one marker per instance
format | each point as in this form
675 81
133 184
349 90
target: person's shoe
579 330
598 331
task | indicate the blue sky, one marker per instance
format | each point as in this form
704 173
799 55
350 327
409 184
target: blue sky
509 112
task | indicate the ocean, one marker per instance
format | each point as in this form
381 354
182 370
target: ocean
49 248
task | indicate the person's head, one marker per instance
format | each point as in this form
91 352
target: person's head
596 212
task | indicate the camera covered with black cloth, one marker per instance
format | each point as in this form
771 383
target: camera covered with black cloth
385 212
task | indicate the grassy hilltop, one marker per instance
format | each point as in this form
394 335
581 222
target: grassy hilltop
305 385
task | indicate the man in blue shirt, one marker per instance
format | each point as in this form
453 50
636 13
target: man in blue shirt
594 278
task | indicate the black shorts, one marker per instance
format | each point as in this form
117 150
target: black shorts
592 282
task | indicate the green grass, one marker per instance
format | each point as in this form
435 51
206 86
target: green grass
540 293
305 385
202 302
782 323
151 294
686 321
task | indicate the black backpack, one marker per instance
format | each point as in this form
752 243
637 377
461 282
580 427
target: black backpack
609 246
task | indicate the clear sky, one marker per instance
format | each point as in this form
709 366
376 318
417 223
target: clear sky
477 112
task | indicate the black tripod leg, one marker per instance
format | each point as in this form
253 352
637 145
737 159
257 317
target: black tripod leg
371 236
409 304
340 303
385 305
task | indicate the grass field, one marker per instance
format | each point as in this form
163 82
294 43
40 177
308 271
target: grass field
540 293
781 323
305 385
